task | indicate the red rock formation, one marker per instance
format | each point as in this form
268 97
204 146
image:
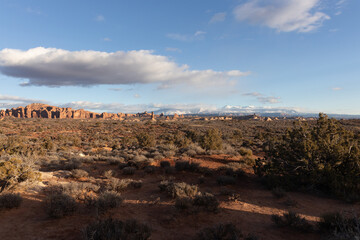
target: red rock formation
39 110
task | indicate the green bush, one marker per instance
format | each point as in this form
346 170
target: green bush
206 201
186 166
324 157
108 200
212 140
337 226
60 205
14 170
10 200
112 229
79 173
292 220
145 140
178 190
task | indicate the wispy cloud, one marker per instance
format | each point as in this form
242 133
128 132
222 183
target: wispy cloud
252 94
7 101
57 67
336 88
171 49
282 15
99 18
137 95
263 98
198 35
33 11
218 17
115 89
107 39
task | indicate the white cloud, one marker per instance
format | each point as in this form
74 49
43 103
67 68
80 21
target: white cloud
282 15
262 98
171 49
57 67
7 101
198 35
107 39
218 17
100 18
269 99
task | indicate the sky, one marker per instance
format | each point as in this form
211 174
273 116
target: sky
182 56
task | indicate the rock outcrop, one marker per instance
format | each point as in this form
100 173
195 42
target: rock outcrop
39 110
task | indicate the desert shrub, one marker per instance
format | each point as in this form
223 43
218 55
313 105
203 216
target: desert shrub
158 157
278 192
178 190
109 229
232 169
79 190
207 201
72 164
337 226
292 220
212 140
79 173
115 160
108 200
186 166
245 151
194 149
119 185
324 157
164 164
139 162
128 171
10 200
228 149
108 174
220 232
169 153
145 140
59 205
225 180
15 170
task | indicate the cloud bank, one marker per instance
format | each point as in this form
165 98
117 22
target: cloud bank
57 67
169 109
282 15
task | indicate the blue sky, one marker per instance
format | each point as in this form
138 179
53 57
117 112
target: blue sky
182 56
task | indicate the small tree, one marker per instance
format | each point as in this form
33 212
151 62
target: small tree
325 157
145 140
212 140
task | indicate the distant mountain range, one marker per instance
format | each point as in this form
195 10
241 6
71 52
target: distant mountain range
39 110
